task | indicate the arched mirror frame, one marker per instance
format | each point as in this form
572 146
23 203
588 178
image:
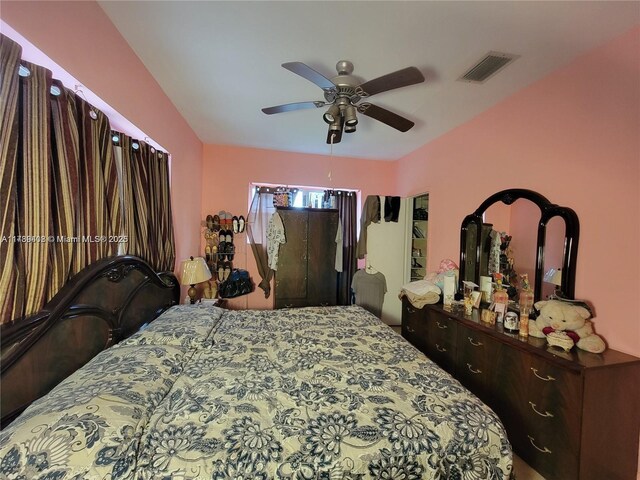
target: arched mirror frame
548 210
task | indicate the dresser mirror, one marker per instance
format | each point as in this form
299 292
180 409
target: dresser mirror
542 237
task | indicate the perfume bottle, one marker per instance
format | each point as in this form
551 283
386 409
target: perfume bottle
526 304
500 296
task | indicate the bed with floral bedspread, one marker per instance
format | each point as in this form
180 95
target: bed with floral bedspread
309 393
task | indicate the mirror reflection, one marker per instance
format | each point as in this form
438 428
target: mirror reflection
552 268
513 241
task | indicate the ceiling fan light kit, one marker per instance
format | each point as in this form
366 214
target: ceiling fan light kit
332 113
334 135
350 118
343 93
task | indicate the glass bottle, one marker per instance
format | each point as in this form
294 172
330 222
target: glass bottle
526 304
500 296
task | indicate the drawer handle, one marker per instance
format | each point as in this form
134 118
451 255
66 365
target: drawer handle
472 370
288 305
545 414
543 450
441 326
410 310
410 330
548 379
440 349
474 343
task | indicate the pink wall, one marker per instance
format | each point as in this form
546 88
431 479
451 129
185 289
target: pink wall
80 38
228 171
573 137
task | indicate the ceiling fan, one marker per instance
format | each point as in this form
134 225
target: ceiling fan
343 94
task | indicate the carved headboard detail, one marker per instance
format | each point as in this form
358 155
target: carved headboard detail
102 305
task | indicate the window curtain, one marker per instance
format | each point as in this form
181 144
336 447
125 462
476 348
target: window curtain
346 203
63 207
257 220
147 226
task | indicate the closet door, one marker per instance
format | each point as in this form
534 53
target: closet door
322 275
292 275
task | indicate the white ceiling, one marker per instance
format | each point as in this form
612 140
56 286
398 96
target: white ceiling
219 62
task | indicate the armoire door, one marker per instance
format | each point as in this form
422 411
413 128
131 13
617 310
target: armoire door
306 274
291 276
321 247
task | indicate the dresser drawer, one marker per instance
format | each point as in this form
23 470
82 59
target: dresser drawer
475 360
551 413
553 389
546 454
414 327
441 340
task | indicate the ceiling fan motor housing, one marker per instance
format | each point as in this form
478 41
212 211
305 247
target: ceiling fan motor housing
345 84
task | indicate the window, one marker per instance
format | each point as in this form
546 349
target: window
310 198
300 197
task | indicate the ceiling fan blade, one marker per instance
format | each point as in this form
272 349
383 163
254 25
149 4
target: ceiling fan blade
401 78
289 107
385 116
310 74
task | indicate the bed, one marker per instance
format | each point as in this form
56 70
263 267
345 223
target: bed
303 393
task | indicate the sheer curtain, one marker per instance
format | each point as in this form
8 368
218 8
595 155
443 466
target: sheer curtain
63 203
257 220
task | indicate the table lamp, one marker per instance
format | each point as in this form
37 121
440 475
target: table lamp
554 277
194 271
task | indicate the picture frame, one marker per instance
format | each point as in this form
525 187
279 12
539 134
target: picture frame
500 309
476 296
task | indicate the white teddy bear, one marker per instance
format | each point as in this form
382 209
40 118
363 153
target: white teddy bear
559 316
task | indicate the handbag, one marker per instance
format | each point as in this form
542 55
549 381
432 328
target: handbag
239 283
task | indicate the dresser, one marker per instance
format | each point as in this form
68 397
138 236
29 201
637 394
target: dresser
568 415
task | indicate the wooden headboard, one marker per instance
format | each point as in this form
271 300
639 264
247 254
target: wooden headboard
103 304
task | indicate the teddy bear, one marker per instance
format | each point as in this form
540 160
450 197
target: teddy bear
567 317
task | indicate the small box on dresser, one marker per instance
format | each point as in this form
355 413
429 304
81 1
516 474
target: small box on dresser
568 415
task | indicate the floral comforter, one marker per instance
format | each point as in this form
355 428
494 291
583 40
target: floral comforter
310 393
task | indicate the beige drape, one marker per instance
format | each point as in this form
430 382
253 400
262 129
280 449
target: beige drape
257 220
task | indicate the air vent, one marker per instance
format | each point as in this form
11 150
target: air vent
488 66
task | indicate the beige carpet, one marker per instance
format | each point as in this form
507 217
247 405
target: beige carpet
524 471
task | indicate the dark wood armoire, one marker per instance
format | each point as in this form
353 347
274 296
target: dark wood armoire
306 274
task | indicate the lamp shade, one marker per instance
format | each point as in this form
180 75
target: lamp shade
553 276
556 279
194 271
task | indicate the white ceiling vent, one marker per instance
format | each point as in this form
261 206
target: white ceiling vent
488 66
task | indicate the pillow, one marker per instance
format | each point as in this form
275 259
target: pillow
186 326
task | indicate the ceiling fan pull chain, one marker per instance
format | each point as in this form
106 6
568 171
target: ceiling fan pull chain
331 157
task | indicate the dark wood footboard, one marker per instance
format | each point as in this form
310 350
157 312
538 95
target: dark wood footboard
105 303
